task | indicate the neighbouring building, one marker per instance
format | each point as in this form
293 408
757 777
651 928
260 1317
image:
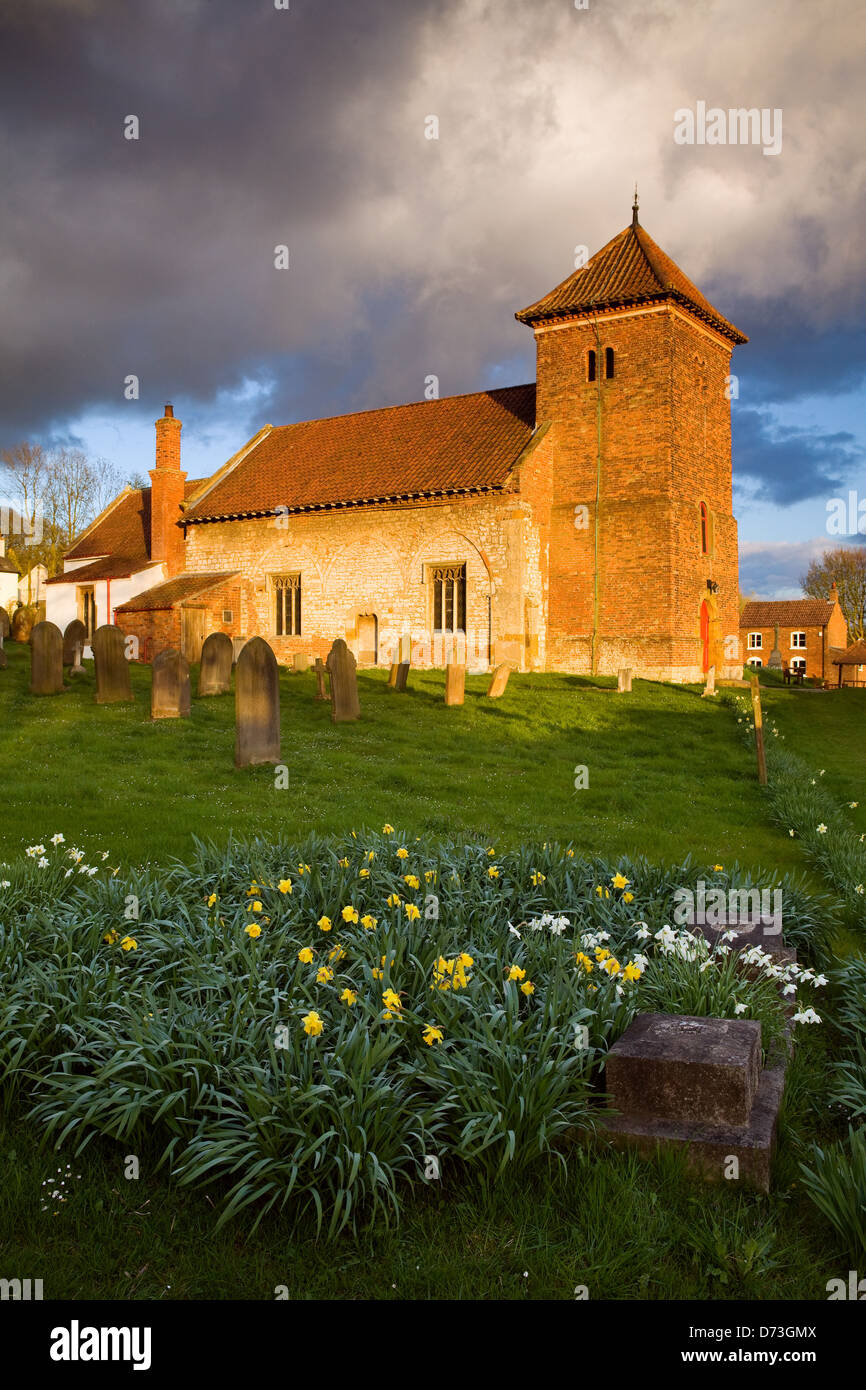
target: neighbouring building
578 523
810 629
8 580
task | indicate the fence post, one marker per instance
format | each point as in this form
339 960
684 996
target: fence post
758 718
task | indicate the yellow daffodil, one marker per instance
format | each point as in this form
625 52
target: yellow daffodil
515 973
466 960
368 922
129 943
313 1024
599 890
601 953
253 930
303 869
111 937
402 853
527 987
631 972
212 899
350 914
364 873
305 955
411 880
430 875
343 863
387 830
570 853
718 868
537 878
337 953
324 923
324 974
432 1035
371 855
254 907
393 900
628 897
253 889
391 999
584 962
348 996
412 912
493 872
285 885
619 881
612 966
491 853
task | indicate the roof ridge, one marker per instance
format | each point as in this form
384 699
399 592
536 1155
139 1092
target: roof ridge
405 405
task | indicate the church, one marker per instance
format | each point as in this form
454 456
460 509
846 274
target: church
579 523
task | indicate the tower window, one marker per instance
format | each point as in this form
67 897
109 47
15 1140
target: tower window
705 530
608 363
590 365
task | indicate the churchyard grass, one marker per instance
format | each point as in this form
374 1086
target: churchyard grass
665 777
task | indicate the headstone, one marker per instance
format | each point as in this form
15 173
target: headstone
405 648
23 620
499 681
46 660
257 705
774 660
345 705
300 662
455 683
112 668
623 680
215 669
238 644
74 640
392 675
5 625
321 673
169 690
402 676
710 688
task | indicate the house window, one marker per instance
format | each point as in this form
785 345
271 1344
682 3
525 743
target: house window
705 530
449 598
590 365
798 663
756 662
287 597
756 641
798 639
87 609
227 615
608 363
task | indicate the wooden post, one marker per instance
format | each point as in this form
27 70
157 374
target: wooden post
759 730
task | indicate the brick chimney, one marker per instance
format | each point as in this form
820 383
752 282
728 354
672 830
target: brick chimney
166 537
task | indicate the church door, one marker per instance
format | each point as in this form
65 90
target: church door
368 644
705 637
193 623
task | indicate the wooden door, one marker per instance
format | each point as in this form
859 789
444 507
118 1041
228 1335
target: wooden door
193 622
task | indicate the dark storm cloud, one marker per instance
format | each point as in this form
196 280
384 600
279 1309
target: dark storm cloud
791 464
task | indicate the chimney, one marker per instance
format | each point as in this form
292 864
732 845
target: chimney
166 537
834 593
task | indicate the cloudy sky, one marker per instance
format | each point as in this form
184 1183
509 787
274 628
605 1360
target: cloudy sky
305 126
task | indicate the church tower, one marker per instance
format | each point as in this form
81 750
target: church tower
633 379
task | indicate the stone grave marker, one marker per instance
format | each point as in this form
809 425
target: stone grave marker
345 704
402 676
623 680
499 681
321 676
5 625
710 687
455 683
237 648
46 659
392 675
23 620
169 689
215 668
112 668
257 705
300 662
74 642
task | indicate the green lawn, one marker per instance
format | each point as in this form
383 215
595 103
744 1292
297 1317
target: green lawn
667 776
826 729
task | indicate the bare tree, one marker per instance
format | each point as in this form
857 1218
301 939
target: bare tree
56 493
847 565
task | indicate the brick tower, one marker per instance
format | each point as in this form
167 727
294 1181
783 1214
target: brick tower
633 378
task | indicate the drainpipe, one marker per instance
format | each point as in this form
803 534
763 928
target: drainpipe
109 618
595 592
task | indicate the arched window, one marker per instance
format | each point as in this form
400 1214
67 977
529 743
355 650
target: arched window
705 531
590 365
608 363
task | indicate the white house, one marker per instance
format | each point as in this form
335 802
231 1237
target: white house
8 580
31 586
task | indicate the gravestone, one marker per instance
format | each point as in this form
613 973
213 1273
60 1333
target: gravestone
499 681
321 674
623 680
257 705
74 641
46 660
169 689
345 705
238 644
774 661
112 668
300 662
5 625
710 688
392 675
23 620
402 676
455 683
215 670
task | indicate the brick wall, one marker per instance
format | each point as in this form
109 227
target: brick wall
817 650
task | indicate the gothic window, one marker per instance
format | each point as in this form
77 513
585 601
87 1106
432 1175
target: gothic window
705 530
449 598
287 596
608 363
87 610
590 365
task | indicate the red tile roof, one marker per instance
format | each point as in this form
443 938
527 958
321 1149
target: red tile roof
429 448
630 269
125 531
796 612
174 591
854 656
112 567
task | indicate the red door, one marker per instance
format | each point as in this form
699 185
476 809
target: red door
705 636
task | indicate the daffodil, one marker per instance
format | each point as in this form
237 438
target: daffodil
129 943
313 1024
387 830
411 880
493 872
212 899
537 878
348 996
391 999
718 868
584 961
368 922
402 853
305 955
466 960
324 923
619 881
430 875
285 885
515 973
111 937
254 906
631 972
527 987
343 863
337 953
364 873
412 912
628 897
432 1035
349 913
253 930
393 900
324 975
